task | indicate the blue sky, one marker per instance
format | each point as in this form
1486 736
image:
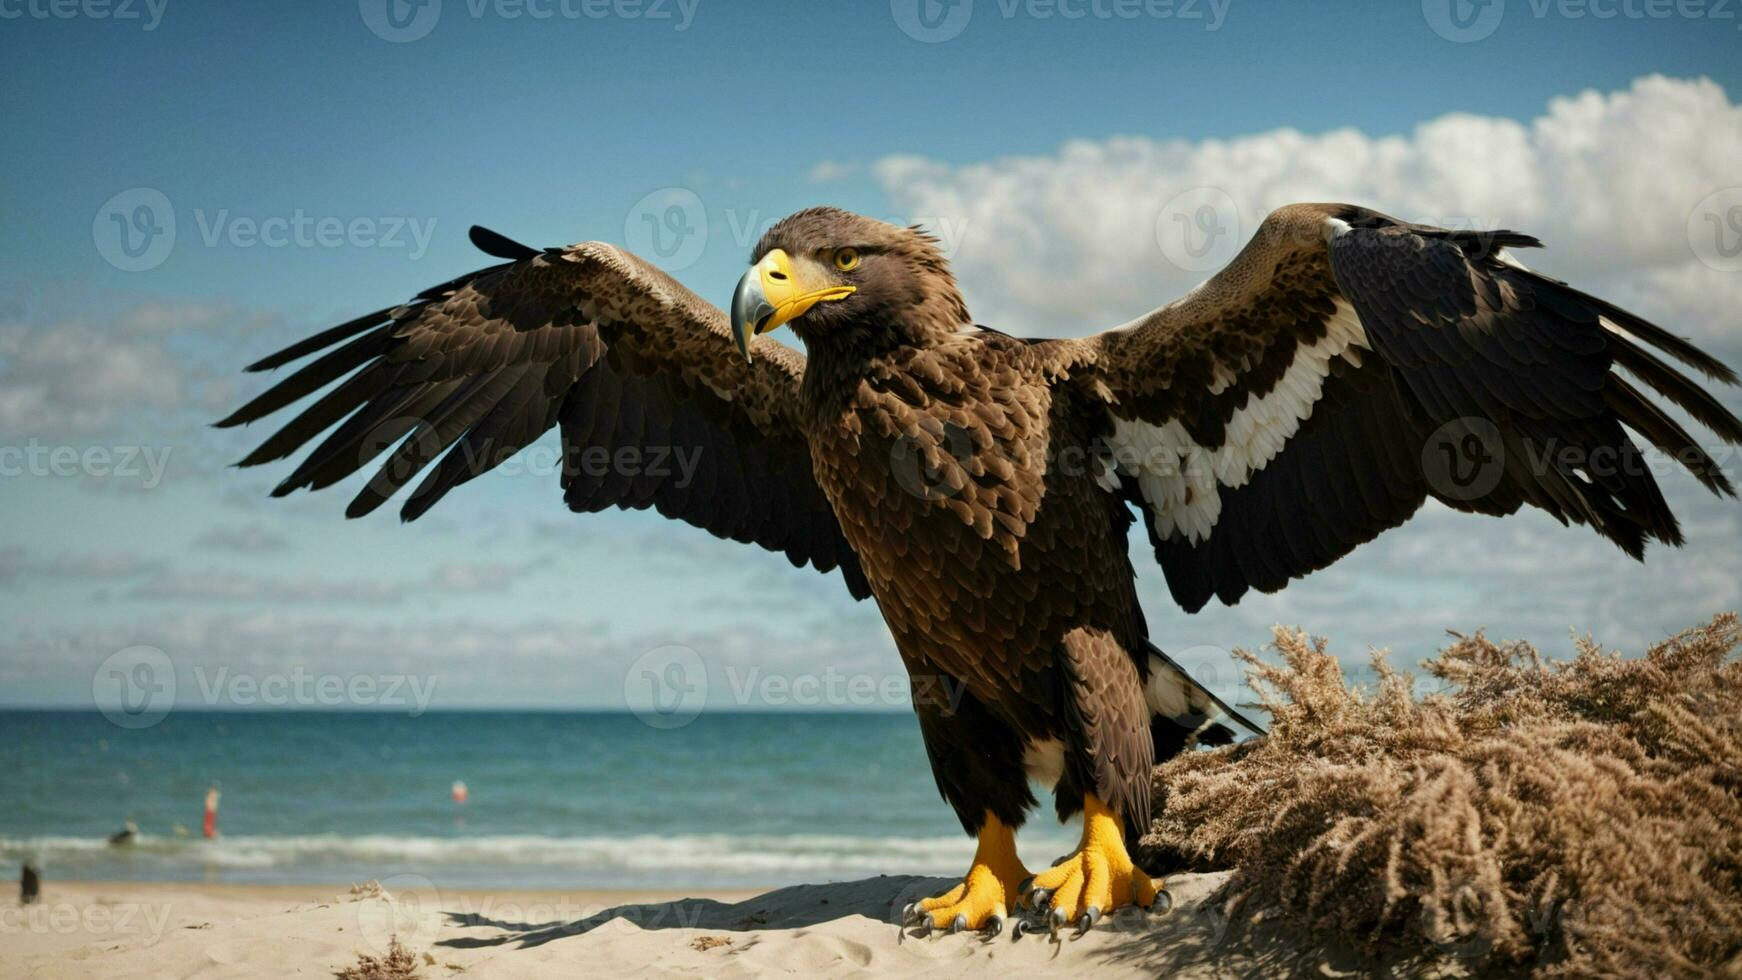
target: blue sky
566 128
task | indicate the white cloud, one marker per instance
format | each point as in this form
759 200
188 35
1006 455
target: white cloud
240 538
19 567
1067 243
829 171
76 379
83 377
449 578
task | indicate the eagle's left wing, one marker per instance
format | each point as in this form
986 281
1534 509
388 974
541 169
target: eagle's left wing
1345 366
655 405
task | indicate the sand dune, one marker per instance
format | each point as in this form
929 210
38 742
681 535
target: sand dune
128 930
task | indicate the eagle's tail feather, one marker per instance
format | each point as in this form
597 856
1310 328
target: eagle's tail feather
1185 711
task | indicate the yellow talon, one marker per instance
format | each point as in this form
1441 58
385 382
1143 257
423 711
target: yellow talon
987 892
1099 876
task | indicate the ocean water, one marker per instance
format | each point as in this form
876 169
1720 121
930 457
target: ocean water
557 800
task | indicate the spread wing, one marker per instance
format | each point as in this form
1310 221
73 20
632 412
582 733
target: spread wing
1346 366
656 406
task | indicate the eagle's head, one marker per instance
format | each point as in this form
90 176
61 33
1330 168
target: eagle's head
833 275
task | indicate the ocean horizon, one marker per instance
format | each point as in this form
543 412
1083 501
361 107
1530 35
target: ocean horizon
555 799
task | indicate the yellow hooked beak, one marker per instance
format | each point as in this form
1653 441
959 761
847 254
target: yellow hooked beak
777 290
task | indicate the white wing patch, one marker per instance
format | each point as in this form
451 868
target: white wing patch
1181 480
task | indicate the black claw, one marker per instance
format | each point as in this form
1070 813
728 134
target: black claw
1056 920
1019 928
995 925
1163 903
957 924
1091 915
1037 898
910 915
1027 883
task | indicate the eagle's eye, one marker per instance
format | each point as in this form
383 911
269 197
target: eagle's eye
846 259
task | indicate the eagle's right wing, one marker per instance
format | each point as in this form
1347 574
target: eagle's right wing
1346 366
656 406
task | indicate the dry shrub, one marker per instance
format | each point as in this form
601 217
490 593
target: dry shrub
1583 817
399 964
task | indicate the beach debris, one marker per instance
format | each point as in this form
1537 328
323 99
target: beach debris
1576 817
398 964
368 889
702 944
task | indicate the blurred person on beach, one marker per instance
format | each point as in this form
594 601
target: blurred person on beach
210 826
29 885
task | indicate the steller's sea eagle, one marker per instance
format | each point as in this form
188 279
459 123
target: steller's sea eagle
980 486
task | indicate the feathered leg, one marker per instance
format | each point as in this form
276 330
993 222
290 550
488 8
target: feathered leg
977 761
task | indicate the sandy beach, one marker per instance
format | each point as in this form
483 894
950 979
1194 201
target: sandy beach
150 930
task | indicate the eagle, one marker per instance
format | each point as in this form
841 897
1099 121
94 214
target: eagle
1345 367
